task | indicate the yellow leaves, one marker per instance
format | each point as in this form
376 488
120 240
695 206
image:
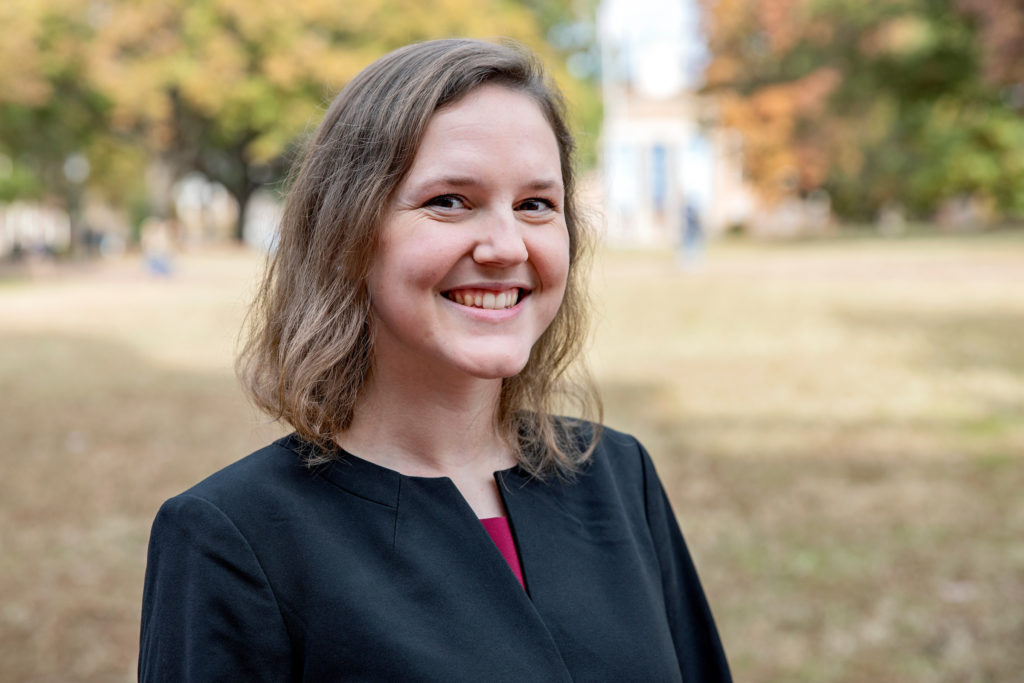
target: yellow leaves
338 65
227 72
214 73
396 22
22 80
128 60
282 69
32 51
254 22
899 36
314 57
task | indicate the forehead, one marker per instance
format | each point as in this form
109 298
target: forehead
491 120
497 95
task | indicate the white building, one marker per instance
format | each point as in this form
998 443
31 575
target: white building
661 150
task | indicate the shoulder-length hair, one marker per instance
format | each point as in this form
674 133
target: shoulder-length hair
307 346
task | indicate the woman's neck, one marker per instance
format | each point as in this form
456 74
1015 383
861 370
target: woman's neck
434 430
423 428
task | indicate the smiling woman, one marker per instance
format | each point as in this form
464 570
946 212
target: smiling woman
395 148
467 280
430 518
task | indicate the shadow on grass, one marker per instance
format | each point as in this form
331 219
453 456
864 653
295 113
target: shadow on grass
969 340
847 565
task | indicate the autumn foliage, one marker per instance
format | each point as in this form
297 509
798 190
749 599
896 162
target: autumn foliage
909 103
224 87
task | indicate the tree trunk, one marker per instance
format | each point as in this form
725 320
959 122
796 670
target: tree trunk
160 177
242 195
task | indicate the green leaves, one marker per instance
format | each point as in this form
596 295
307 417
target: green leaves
225 87
913 118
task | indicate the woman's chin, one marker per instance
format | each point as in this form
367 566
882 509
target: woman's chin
495 368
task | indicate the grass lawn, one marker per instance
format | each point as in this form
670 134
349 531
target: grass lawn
840 425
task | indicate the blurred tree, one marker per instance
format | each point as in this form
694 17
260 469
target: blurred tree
226 87
50 116
138 92
1002 32
880 103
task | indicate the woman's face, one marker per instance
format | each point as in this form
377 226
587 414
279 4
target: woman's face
475 251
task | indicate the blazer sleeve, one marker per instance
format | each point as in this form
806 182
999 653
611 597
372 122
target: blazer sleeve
208 611
698 647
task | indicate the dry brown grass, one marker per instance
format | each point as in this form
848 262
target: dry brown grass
839 425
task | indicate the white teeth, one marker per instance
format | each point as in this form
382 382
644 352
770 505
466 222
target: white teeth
485 299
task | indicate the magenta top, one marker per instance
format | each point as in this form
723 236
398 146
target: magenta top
501 534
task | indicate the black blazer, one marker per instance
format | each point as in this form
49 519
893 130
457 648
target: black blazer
272 571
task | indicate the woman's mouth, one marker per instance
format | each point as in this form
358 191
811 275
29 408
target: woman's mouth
486 298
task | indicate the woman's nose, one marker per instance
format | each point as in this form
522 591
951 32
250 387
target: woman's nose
500 241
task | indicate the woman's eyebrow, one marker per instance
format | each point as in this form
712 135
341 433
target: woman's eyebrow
544 184
539 185
446 181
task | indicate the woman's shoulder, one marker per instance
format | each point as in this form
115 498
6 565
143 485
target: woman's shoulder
612 445
263 474
615 453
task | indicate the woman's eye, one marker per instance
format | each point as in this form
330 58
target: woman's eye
536 204
447 201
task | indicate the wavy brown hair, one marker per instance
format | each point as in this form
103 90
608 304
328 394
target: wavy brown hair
307 346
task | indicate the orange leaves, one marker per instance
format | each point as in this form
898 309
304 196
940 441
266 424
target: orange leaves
779 157
781 22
